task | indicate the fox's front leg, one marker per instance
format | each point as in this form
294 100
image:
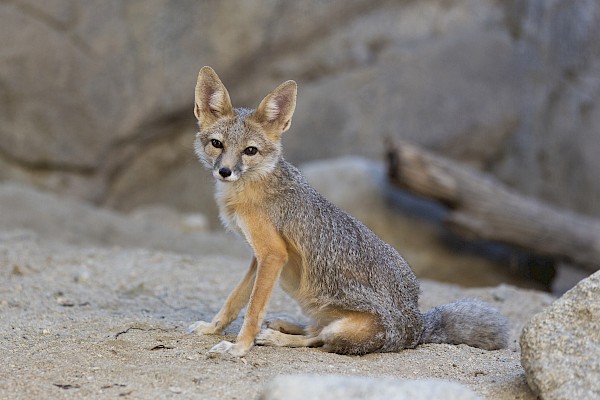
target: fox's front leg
272 255
232 307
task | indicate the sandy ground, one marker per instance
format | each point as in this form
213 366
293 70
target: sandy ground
84 322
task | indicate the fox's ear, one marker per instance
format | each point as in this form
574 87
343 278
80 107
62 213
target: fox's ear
275 111
212 99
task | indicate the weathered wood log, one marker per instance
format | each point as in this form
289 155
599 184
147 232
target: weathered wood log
484 208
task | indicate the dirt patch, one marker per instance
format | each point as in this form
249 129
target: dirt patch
110 322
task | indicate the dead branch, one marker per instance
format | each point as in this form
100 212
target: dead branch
484 208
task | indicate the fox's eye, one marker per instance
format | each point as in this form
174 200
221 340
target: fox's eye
250 151
216 143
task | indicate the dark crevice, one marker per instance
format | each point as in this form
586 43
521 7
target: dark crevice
123 153
131 328
45 166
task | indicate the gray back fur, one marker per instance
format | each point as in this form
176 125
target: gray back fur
349 267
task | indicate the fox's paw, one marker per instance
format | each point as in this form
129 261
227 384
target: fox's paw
225 347
202 328
270 337
276 324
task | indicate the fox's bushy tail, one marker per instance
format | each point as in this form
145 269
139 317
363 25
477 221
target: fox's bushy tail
467 321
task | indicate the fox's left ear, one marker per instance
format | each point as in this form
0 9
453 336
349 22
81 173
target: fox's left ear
275 112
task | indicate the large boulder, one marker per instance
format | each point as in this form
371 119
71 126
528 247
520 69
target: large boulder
96 99
560 346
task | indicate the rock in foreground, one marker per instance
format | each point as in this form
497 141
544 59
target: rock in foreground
561 346
330 387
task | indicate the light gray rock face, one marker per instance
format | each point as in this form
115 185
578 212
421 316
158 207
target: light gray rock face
70 220
560 347
331 387
96 99
553 151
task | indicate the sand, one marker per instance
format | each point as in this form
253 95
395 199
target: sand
81 321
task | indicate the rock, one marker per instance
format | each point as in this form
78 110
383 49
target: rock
331 387
560 346
160 214
194 222
168 216
557 57
413 227
69 220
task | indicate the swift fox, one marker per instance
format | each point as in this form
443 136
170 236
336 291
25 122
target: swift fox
359 293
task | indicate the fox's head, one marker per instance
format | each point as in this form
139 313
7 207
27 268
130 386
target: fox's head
237 143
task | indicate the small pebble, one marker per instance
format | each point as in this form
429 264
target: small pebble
82 277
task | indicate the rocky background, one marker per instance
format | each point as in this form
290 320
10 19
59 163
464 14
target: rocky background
96 98
96 106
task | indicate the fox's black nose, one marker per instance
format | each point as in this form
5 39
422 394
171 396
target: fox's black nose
224 172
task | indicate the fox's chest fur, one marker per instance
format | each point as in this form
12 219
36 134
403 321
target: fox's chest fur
228 201
227 210
234 200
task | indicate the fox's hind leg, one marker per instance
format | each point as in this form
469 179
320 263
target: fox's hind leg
354 333
285 326
270 337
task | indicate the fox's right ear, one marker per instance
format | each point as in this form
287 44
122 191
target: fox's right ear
212 98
